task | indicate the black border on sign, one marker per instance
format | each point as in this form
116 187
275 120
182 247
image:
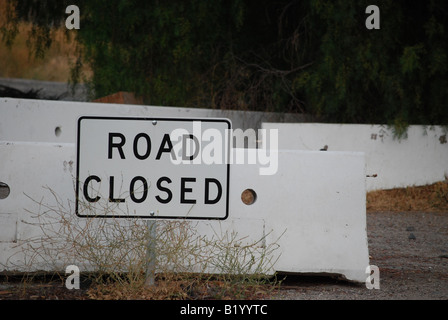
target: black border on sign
229 124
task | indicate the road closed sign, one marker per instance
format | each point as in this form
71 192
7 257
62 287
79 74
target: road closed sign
153 168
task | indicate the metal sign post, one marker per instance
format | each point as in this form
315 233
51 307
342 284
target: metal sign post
151 252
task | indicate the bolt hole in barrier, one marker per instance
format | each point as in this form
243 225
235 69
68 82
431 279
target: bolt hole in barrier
57 131
248 196
4 190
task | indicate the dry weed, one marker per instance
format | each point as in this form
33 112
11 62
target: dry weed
432 197
114 254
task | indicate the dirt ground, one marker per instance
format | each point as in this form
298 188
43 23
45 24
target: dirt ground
409 248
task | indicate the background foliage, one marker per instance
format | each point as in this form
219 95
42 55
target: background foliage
310 56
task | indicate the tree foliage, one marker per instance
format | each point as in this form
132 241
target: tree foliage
310 56
395 75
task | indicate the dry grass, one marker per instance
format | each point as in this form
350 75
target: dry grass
114 254
185 287
432 197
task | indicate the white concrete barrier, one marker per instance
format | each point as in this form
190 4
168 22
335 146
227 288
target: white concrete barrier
313 208
419 159
52 121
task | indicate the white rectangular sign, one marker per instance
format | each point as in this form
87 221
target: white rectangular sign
153 168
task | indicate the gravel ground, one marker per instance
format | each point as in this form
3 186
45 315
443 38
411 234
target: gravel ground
411 252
